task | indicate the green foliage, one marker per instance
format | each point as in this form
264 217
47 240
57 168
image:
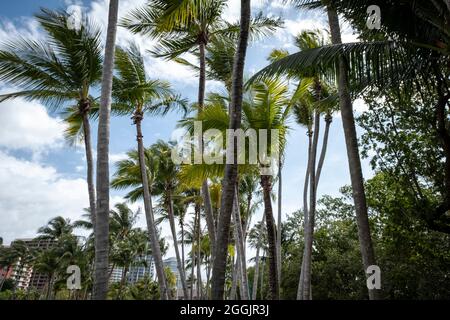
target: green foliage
414 261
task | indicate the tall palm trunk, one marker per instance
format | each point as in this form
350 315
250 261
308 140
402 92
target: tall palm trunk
156 250
208 276
183 260
305 212
205 189
49 287
262 276
122 282
111 271
279 221
328 120
234 278
210 224
192 268
102 208
309 229
175 242
249 217
230 174
238 278
266 184
240 248
84 109
354 161
199 257
256 274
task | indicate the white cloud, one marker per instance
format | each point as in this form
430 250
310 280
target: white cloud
157 68
27 125
115 157
32 194
28 28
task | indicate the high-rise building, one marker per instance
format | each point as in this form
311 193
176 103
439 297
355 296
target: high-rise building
23 274
141 267
172 264
116 274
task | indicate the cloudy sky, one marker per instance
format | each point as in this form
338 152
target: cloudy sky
42 177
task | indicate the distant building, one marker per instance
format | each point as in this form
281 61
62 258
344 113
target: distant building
6 273
142 267
116 274
172 264
23 274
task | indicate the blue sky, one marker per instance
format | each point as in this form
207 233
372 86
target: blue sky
42 177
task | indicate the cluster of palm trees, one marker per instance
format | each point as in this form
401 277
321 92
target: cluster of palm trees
63 248
319 79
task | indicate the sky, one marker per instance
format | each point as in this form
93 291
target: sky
42 177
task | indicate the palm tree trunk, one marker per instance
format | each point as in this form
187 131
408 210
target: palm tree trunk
210 224
230 174
102 208
309 230
240 248
122 282
208 277
249 217
262 277
305 213
266 184
256 274
234 279
199 257
156 250
183 259
175 243
112 270
328 120
279 222
354 161
90 166
205 189
192 270
49 287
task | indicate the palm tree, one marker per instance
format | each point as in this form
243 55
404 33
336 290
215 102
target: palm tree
401 52
125 251
188 26
101 223
61 70
269 110
266 107
354 164
56 229
354 161
139 171
122 221
134 94
18 254
86 223
240 246
230 173
166 182
47 262
312 97
257 239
